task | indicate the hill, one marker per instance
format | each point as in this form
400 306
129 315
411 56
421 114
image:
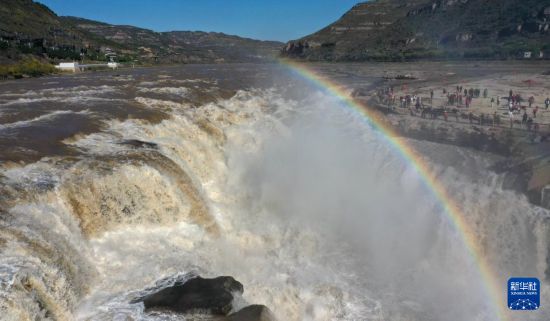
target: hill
431 29
178 46
28 28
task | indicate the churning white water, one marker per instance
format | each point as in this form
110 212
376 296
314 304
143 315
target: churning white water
299 199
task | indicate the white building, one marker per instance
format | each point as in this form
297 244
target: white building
68 66
112 65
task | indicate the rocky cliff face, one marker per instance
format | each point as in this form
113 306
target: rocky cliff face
30 28
412 29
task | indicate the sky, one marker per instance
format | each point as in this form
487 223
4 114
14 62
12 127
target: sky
281 20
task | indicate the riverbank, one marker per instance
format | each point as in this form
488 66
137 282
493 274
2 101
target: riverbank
34 68
430 104
525 158
29 67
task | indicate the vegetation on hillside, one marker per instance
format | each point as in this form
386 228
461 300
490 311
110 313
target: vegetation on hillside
29 28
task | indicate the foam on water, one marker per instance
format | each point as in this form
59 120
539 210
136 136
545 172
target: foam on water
40 118
177 81
73 91
74 99
77 94
177 91
159 103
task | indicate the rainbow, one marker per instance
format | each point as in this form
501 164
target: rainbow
491 282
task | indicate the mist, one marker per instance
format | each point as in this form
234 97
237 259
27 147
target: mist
330 171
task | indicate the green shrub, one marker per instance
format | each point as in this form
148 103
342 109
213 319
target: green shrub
27 67
4 71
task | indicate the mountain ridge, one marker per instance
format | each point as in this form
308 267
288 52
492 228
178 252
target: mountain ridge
29 28
430 29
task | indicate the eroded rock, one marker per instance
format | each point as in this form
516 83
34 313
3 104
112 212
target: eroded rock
213 296
252 313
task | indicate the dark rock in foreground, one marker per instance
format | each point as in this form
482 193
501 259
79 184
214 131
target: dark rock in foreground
252 313
214 296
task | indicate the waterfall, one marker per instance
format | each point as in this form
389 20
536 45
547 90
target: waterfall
299 200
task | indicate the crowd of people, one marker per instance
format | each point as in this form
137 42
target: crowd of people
460 98
515 106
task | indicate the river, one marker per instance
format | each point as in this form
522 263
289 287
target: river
116 184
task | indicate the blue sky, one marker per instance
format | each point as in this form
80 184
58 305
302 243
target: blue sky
261 19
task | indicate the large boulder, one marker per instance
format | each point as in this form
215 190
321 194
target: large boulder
252 313
213 296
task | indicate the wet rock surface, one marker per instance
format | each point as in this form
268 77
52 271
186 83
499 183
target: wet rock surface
209 298
523 157
136 143
252 313
213 296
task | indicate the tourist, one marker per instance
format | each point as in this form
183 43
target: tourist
498 101
485 93
492 102
524 118
511 115
547 103
471 117
531 101
535 111
445 115
451 100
